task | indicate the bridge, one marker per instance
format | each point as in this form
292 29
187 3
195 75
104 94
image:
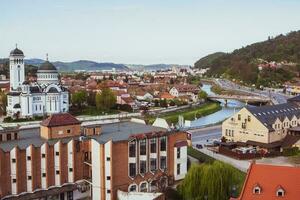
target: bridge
245 98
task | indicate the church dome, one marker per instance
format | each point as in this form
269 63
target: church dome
16 52
47 66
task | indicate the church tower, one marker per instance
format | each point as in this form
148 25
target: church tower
16 69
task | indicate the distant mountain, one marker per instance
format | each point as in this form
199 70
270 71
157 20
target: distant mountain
243 63
79 65
154 67
207 60
95 66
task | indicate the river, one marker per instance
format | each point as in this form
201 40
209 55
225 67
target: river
232 107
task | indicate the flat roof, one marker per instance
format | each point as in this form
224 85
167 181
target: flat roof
115 131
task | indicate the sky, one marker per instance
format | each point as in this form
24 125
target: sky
140 31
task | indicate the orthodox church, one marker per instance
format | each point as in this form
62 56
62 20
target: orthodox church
45 96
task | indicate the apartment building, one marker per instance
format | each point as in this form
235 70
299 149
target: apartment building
265 126
65 159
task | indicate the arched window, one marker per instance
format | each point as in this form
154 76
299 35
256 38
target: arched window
280 192
132 188
143 187
257 189
153 186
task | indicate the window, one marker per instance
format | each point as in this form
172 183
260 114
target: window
13 160
108 178
178 152
70 195
57 172
16 136
143 147
70 169
239 117
280 192
132 149
43 155
178 169
153 166
163 143
153 187
28 177
132 169
57 153
132 188
68 131
249 118
8 137
256 190
14 180
62 196
107 158
108 191
153 145
0 137
143 167
43 174
143 187
28 157
163 162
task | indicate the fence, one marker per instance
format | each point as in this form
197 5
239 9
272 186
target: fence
240 156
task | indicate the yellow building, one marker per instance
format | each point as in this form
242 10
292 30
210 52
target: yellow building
266 125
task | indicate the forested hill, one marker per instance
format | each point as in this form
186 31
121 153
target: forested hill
243 63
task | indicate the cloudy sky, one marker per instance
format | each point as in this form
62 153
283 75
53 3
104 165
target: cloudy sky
140 31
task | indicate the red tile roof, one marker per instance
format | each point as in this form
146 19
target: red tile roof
62 119
166 95
270 178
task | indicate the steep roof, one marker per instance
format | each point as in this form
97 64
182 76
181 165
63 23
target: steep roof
47 66
267 115
17 52
270 178
61 119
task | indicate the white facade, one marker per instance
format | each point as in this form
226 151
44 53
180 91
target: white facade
180 162
46 96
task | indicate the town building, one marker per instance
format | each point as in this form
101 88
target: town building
265 126
67 159
271 182
185 90
45 96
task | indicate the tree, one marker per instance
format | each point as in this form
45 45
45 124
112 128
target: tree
79 98
202 95
3 102
216 181
105 100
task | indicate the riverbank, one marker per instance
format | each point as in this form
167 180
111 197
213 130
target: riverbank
188 114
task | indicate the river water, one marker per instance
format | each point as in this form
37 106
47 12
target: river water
232 107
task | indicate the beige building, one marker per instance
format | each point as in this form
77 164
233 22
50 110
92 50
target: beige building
262 125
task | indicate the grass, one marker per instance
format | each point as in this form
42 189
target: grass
295 158
203 158
189 114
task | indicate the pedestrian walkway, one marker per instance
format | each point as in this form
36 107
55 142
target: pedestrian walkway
242 165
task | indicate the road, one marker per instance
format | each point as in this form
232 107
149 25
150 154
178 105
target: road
200 136
276 97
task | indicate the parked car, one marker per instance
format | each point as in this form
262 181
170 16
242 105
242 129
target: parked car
199 146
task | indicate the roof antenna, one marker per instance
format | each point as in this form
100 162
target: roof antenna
46 56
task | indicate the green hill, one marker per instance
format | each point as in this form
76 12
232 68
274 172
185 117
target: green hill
243 63
207 60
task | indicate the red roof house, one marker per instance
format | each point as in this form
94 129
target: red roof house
266 182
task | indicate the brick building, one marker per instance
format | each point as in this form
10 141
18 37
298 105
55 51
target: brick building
65 159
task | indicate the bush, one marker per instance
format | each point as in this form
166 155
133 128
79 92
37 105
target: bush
7 119
290 151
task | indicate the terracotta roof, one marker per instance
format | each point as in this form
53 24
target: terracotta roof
165 95
270 178
187 88
62 119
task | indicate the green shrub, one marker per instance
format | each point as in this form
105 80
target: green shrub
290 151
